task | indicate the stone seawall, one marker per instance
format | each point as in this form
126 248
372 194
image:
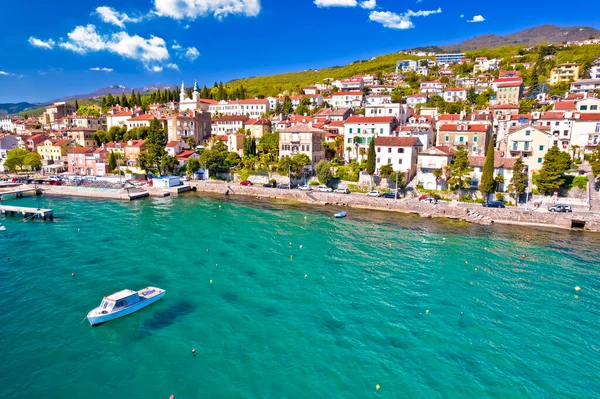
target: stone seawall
474 213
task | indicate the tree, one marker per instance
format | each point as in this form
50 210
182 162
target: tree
556 163
193 165
269 144
301 160
323 170
445 79
15 159
437 173
595 162
386 170
85 110
112 160
249 146
519 178
371 157
216 158
486 185
76 105
460 169
471 95
526 105
155 143
33 160
287 107
574 149
124 101
168 163
143 161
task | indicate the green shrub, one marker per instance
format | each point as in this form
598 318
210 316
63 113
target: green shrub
535 191
465 198
313 183
480 201
580 182
272 181
499 196
244 174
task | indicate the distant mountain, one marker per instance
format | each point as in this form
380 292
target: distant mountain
14 108
528 37
117 90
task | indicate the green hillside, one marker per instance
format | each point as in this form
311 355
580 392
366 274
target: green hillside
81 102
273 85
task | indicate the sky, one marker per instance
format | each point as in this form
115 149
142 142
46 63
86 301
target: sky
51 50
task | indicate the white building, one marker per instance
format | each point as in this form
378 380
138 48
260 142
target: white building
6 124
360 130
585 85
455 95
378 99
255 108
424 134
415 99
400 152
400 111
347 99
352 84
595 70
435 87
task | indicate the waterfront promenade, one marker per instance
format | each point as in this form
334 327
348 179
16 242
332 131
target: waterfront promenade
473 213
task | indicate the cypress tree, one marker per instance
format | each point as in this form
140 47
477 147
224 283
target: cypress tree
519 178
138 99
124 101
550 176
371 157
486 185
76 106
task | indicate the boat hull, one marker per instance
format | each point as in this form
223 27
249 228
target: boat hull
96 320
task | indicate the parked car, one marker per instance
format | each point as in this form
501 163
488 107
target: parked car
428 198
564 208
269 185
324 189
305 187
494 204
185 178
246 183
284 186
54 178
391 195
342 191
373 194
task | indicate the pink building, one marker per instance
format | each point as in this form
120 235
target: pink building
85 161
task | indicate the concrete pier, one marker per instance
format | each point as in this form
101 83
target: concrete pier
27 212
20 191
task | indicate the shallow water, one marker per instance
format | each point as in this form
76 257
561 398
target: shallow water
263 330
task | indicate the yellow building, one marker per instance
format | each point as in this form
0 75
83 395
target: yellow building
53 151
528 142
564 73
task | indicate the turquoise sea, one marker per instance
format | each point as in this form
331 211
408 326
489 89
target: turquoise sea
374 299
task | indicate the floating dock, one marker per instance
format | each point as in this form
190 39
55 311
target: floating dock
27 212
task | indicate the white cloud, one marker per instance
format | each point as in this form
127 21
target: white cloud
335 3
156 68
4 73
176 46
400 21
191 54
368 4
477 18
180 9
172 66
462 15
98 69
112 16
85 39
48 44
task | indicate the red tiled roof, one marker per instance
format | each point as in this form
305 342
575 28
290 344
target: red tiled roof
499 161
186 154
144 117
470 128
397 141
172 144
301 128
589 117
122 113
450 117
456 89
348 93
440 148
565 106
370 119
80 150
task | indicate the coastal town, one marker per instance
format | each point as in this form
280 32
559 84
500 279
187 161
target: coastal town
438 126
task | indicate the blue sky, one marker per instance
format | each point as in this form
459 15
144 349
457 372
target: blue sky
51 50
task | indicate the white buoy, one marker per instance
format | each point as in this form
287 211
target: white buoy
577 289
306 276
290 243
300 246
427 311
207 250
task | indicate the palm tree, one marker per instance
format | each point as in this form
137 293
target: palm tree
574 149
363 153
356 139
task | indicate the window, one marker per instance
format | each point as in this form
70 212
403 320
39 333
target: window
461 139
448 137
350 140
583 108
527 146
515 145
389 150
565 133
400 161
556 123
400 150
540 160
597 128
378 160
527 132
389 161
350 131
541 148
593 107
475 139
474 149
358 130
381 130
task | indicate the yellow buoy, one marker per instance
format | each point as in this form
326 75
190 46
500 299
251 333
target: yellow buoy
211 281
377 387
427 311
291 257
577 289
466 262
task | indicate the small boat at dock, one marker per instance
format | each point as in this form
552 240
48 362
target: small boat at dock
123 303
340 215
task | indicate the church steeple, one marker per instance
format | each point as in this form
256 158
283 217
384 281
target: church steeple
196 88
182 92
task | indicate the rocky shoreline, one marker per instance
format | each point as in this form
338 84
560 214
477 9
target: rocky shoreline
472 213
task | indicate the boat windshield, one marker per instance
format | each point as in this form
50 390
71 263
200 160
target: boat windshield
106 305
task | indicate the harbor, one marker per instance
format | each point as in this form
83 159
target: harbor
27 212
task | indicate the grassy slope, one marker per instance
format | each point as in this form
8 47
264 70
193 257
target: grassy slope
83 101
273 85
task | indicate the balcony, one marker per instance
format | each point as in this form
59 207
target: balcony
458 142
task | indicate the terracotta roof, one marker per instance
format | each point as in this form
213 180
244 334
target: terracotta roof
80 150
589 117
348 93
172 144
336 124
499 161
397 141
122 113
301 128
370 119
456 89
505 106
186 154
136 143
470 128
450 117
552 115
565 106
144 117
438 150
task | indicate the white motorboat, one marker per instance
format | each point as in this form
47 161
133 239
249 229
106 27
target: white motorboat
340 215
123 303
